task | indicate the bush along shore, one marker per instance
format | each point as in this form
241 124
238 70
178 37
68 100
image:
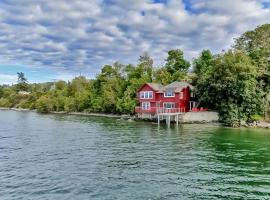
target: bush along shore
235 83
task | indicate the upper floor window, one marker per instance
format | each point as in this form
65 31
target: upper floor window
192 94
146 94
168 94
181 95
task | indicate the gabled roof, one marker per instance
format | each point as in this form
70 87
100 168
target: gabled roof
176 86
155 86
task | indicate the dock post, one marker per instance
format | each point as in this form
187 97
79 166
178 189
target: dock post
158 119
177 119
169 121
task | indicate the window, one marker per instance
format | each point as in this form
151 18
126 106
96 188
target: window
146 95
181 94
168 94
145 105
169 105
191 94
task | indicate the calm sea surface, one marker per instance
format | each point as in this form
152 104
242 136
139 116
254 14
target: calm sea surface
72 157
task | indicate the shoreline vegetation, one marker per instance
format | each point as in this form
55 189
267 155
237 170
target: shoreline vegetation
235 83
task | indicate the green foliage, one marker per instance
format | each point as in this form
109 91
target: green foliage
5 103
230 86
45 104
201 64
60 85
175 62
1 91
257 117
175 69
256 44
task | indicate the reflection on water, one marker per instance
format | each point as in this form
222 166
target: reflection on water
76 157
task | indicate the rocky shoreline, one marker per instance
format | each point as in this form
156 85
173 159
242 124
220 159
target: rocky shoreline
259 124
74 113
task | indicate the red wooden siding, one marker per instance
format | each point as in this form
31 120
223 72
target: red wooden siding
158 97
147 88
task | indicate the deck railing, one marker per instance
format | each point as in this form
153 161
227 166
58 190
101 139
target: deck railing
170 110
159 110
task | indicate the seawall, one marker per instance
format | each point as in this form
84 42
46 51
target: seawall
199 117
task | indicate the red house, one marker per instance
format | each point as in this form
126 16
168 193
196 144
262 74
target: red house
154 98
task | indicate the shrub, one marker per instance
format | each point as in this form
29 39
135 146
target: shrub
45 104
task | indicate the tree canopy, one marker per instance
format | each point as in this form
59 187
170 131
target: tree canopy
230 86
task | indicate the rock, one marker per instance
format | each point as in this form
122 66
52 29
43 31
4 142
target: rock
263 124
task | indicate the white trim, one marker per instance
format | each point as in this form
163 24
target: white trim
146 95
192 94
173 94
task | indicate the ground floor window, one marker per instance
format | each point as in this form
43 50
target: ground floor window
145 105
169 105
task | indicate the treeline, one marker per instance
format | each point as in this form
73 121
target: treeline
114 90
235 83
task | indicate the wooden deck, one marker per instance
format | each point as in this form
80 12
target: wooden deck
168 113
163 113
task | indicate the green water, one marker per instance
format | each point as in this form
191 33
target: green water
73 157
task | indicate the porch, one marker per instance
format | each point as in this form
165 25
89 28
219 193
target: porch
159 110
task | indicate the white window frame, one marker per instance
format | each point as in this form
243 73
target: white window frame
146 105
166 94
172 103
146 94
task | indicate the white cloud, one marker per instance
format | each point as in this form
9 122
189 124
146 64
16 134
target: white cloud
80 36
8 79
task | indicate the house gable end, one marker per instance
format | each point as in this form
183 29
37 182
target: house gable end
146 87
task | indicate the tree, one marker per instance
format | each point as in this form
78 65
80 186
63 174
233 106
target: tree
60 85
109 89
21 77
1 91
201 64
146 65
175 69
45 104
22 84
230 86
176 65
163 76
256 44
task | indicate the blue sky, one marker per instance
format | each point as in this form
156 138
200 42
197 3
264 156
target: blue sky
48 39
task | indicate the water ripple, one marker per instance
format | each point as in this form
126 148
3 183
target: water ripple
71 157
